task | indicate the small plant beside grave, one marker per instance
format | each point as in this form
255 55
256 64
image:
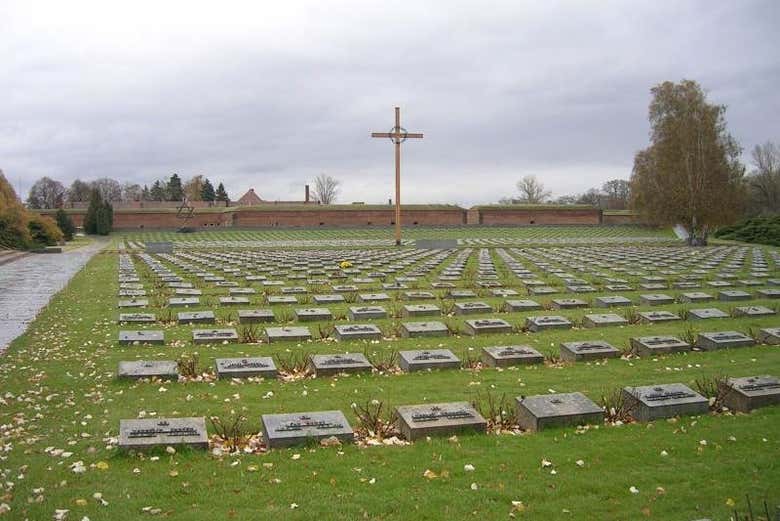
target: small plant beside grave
616 408
250 334
632 316
293 365
470 359
384 361
188 365
500 412
374 420
230 434
714 389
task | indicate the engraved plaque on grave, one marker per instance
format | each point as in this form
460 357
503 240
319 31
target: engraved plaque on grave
329 365
254 316
136 369
547 322
366 312
505 356
286 430
277 334
211 336
543 411
653 345
653 402
357 332
141 337
140 434
769 335
137 318
419 360
750 392
196 317
709 341
487 326
245 367
438 419
603 320
423 329
588 350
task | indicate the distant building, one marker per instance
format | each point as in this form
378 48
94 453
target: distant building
250 198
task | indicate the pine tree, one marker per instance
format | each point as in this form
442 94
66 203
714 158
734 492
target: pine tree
157 193
146 195
66 224
208 194
174 189
90 218
222 194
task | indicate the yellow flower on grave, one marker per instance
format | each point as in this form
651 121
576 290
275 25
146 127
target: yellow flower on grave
345 264
101 465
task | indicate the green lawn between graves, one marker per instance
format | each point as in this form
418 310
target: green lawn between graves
59 390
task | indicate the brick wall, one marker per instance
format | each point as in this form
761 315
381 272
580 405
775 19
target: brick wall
519 217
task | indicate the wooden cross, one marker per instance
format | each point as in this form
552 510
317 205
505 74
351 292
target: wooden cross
397 135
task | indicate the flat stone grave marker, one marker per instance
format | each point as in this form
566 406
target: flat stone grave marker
487 326
420 360
366 312
769 335
471 308
357 332
543 290
568 303
137 318
650 317
178 302
196 317
133 303
254 316
419 295
719 284
209 336
768 293
654 402
345 288
132 293
706 313
581 288
248 291
442 285
652 286
462 293
547 322
374 297
521 305
287 430
179 285
329 365
311 314
130 285
710 341
696 296
423 329
188 292
282 299
618 287
139 434
655 299
141 337
653 345
686 285
505 356
276 334
603 320
420 310
233 301
137 369
750 282
329 299
612 301
750 392
438 419
732 295
245 367
543 411
588 350
504 292
753 311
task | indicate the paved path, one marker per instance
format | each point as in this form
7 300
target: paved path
27 285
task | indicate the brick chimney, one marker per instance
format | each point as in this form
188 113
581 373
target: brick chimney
307 193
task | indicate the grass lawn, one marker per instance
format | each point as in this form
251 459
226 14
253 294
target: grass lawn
59 393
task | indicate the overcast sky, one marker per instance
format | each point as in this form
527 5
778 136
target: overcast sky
270 94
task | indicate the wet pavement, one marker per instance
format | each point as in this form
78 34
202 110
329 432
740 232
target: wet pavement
27 285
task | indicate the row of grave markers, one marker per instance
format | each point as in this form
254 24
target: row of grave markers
534 413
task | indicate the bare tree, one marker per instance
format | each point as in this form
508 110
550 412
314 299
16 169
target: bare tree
326 189
532 190
110 189
46 193
617 193
764 181
131 192
78 192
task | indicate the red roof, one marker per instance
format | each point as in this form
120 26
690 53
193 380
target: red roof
249 199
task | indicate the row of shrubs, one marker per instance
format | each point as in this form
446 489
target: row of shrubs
761 230
21 230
